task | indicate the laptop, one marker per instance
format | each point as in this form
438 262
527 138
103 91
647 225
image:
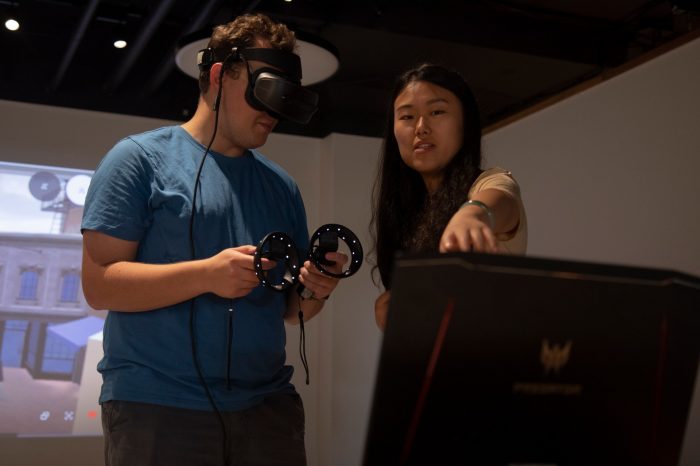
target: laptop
514 361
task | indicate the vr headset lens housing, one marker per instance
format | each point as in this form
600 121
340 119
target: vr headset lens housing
280 97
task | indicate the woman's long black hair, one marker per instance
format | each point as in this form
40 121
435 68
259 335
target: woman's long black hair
404 216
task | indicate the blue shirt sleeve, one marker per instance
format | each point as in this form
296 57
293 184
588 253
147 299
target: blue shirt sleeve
118 197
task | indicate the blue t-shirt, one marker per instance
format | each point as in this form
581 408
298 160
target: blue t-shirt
142 191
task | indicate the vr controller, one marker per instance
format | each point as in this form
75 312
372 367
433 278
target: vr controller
280 248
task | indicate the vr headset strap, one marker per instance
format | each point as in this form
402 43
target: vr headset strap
288 62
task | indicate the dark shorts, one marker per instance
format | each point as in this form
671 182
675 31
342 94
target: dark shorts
139 434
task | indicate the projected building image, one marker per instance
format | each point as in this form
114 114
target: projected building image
50 339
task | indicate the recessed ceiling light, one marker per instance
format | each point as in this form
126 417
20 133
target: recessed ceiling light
120 44
12 24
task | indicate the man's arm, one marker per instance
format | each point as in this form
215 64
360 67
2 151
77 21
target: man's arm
113 280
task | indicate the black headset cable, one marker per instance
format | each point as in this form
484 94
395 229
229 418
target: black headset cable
193 255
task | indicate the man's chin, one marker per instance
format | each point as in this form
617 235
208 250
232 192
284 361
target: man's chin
258 141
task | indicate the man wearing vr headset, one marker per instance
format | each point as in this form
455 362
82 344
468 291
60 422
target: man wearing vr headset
193 367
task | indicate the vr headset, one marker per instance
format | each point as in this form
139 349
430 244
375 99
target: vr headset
277 90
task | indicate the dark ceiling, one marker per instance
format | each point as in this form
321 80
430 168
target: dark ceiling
514 53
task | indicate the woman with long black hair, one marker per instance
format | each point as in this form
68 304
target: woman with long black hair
431 193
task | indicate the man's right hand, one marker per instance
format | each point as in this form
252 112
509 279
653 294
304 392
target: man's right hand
231 273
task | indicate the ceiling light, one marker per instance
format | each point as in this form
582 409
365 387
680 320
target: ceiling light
319 59
12 24
119 44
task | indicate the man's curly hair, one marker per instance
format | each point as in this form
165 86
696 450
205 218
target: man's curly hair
243 32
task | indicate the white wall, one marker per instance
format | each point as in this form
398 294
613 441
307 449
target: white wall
350 338
611 174
63 137
607 175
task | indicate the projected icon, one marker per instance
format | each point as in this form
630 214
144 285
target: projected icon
68 415
44 186
44 416
76 189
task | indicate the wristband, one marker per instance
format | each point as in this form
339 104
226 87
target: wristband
314 298
484 207
310 295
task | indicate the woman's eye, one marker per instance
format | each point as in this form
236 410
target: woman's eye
405 117
437 112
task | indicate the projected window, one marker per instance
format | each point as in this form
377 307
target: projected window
69 287
29 281
13 337
58 357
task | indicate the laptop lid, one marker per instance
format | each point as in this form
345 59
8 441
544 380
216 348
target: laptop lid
520 361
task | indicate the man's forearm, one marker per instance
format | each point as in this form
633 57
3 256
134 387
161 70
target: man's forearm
134 286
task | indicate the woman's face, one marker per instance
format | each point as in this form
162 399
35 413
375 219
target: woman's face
428 126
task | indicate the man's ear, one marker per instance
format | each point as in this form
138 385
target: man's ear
215 82
215 74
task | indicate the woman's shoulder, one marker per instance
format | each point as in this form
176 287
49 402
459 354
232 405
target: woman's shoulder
495 171
495 178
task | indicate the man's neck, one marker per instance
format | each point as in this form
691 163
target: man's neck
201 128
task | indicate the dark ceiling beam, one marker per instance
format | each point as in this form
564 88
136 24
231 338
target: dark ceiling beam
75 40
251 6
482 24
144 35
204 16
166 66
